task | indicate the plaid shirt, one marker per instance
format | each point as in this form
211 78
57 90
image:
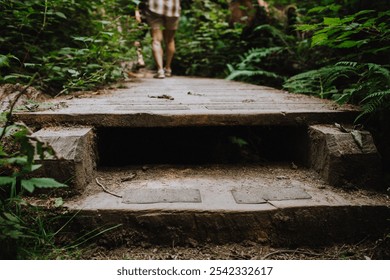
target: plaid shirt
168 8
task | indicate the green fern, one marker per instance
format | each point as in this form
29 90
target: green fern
374 102
276 33
366 84
320 82
251 73
256 56
251 65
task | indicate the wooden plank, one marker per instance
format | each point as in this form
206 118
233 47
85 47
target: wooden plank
211 102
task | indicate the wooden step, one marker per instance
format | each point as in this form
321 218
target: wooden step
185 101
217 203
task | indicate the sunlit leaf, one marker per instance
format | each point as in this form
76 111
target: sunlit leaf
4 181
349 44
332 21
61 15
58 202
31 184
4 61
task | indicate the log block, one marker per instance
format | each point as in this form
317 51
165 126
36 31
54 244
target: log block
344 159
75 159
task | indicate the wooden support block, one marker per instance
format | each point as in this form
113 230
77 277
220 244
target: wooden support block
76 155
344 158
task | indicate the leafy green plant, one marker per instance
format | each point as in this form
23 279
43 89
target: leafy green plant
366 84
281 56
251 67
363 38
84 55
18 151
364 34
205 41
17 161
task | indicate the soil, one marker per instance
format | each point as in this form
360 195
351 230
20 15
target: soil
27 101
365 250
35 100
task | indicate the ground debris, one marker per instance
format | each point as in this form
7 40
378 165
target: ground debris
241 251
129 177
163 96
294 166
281 177
194 94
342 128
28 101
106 190
248 101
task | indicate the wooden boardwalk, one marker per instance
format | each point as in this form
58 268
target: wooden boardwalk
186 101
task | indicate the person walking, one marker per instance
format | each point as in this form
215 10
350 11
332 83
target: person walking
163 18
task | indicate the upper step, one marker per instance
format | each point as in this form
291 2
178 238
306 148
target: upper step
186 101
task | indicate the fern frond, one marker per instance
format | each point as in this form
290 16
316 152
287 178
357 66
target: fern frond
272 31
374 102
377 95
256 55
230 67
379 69
275 32
347 63
251 73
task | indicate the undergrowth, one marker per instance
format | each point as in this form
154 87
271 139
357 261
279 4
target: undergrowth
72 45
28 231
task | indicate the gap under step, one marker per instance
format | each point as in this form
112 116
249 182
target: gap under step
276 204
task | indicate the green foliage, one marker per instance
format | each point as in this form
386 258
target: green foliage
18 163
366 35
73 45
340 51
238 141
365 83
362 38
281 56
18 152
205 42
251 67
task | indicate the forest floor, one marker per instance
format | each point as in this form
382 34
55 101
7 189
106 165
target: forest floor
364 250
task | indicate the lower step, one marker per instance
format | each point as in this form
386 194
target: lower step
278 205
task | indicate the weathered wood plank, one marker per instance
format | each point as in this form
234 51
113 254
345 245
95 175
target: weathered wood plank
193 102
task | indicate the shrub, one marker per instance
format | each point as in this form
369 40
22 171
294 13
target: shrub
85 54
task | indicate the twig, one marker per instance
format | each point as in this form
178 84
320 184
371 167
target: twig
106 190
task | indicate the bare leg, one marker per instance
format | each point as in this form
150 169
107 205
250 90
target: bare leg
169 36
157 37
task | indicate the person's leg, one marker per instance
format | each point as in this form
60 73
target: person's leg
171 25
156 23
157 37
169 39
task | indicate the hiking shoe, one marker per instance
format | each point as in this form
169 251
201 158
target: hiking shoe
168 73
160 74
